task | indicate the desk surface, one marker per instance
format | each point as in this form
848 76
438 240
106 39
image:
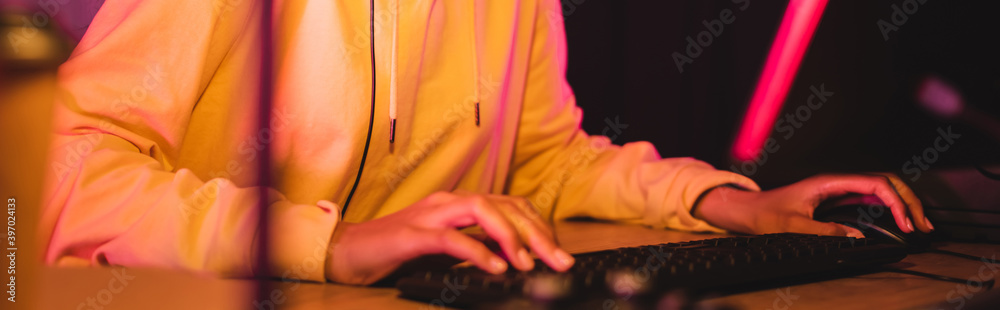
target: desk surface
164 289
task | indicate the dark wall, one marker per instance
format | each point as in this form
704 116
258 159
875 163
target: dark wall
621 66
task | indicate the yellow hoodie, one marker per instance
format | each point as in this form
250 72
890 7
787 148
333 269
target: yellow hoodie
153 158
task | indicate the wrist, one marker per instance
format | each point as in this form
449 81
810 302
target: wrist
725 207
334 258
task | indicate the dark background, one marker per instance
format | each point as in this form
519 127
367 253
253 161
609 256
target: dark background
620 66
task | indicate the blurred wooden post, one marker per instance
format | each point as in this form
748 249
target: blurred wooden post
29 57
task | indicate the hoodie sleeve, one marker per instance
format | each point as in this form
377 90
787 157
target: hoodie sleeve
114 192
566 173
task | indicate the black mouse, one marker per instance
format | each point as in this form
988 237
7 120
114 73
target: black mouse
869 215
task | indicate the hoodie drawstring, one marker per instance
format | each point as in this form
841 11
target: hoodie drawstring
393 74
475 61
394 71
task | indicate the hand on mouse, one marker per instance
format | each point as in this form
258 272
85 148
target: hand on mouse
790 208
365 252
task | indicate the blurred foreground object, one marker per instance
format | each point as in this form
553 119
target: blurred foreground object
29 57
30 44
942 100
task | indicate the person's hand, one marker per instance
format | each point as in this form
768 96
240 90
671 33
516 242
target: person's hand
363 253
790 208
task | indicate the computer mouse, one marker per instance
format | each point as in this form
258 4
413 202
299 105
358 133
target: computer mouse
869 214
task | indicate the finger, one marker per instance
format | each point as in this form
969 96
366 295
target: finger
539 238
439 198
872 185
435 211
482 211
461 246
805 225
910 198
522 204
851 231
531 213
547 250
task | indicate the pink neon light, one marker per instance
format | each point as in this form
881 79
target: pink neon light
797 28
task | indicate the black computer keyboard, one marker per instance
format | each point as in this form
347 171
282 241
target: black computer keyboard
695 266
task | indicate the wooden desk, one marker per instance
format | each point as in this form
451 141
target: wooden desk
152 289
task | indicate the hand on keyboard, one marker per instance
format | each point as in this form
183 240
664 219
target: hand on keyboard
366 252
790 208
